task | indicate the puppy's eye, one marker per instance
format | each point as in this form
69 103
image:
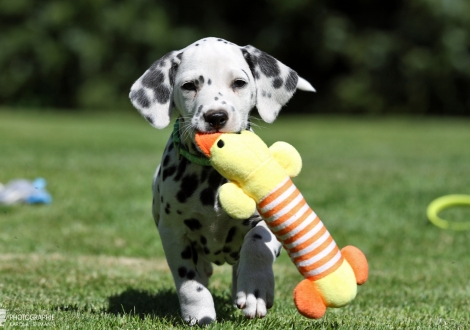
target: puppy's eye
189 86
239 83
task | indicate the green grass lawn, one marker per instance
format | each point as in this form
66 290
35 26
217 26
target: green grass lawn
93 259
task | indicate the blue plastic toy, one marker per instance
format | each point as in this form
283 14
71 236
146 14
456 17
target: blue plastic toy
25 191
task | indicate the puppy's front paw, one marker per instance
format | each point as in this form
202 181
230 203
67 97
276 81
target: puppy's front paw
197 306
255 292
255 277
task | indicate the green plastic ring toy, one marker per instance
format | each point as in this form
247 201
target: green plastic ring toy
445 202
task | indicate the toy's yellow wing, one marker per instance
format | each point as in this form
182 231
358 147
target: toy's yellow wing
235 202
287 156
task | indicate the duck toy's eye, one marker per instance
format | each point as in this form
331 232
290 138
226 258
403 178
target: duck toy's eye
220 143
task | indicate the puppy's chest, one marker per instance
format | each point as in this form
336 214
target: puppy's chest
188 201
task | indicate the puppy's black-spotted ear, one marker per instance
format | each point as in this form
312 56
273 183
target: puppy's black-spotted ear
152 93
275 82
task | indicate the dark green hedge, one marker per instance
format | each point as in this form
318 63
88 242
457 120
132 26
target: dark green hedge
374 57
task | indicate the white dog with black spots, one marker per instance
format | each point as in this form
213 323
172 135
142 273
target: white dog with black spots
212 85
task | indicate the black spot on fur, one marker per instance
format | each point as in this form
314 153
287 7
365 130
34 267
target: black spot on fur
291 81
199 110
252 62
205 173
201 79
149 119
268 65
141 98
235 255
187 188
167 208
215 180
179 212
166 160
161 199
193 224
206 250
168 172
217 252
181 168
246 222
162 94
199 288
220 94
180 55
170 147
154 80
208 195
277 82
191 275
197 44
216 98
257 236
256 293
182 271
223 102
209 82
227 249
186 254
203 240
252 221
172 73
218 263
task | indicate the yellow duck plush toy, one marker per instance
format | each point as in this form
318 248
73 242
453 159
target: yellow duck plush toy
260 178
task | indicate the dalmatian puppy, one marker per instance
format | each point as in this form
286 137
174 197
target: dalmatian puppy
212 85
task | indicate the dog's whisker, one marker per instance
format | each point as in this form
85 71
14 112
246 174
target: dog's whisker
187 131
253 124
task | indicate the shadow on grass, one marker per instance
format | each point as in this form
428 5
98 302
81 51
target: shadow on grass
144 304
163 304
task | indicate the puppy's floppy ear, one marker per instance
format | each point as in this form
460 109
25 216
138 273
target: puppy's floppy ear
275 82
152 93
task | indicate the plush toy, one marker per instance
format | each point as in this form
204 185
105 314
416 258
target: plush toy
260 178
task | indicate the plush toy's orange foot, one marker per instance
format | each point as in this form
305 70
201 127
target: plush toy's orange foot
358 263
308 301
312 303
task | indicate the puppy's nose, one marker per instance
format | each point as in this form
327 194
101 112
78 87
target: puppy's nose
216 118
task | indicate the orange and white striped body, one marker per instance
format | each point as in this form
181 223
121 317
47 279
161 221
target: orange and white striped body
303 235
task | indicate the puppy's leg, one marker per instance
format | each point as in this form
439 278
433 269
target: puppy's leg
190 276
255 277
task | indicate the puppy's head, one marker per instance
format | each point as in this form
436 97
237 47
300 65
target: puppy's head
213 84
